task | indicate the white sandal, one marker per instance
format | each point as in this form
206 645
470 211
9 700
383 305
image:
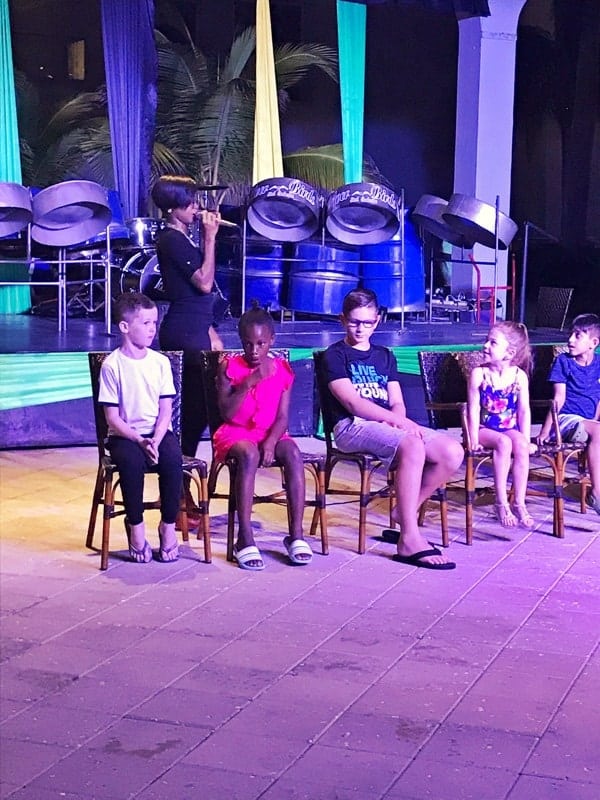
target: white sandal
297 548
246 555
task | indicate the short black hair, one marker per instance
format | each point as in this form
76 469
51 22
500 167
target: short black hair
174 191
589 323
257 315
126 305
359 298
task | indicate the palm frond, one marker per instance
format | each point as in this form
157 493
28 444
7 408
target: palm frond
293 62
324 167
242 50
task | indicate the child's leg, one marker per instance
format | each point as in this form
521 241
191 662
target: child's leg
520 465
501 446
248 458
593 457
131 462
520 475
443 456
169 484
293 470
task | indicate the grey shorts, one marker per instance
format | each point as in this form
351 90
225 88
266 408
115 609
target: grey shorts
572 429
356 435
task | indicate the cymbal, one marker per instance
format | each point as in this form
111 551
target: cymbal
211 186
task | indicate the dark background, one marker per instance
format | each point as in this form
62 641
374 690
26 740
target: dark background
410 104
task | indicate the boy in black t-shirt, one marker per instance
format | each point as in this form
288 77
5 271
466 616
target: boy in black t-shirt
371 417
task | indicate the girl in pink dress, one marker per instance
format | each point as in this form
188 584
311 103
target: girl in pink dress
254 390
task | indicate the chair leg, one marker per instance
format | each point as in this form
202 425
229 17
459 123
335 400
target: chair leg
96 500
205 519
319 517
106 517
469 499
365 497
231 509
444 516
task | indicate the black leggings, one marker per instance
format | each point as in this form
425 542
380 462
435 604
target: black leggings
133 466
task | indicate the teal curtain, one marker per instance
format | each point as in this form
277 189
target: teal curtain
13 299
352 26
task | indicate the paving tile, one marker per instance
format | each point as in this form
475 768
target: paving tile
241 683
183 706
50 722
377 732
146 739
22 764
102 776
324 770
190 781
464 745
259 755
438 780
530 787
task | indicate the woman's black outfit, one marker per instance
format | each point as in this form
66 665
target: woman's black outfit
185 326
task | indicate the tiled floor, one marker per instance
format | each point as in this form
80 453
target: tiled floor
354 678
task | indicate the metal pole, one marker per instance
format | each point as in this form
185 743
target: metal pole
107 283
524 274
244 265
402 259
494 295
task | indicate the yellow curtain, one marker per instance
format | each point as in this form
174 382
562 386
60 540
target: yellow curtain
268 161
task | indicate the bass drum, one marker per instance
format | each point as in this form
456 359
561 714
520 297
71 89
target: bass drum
141 273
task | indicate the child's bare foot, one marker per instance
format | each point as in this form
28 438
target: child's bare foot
504 515
169 548
417 551
523 516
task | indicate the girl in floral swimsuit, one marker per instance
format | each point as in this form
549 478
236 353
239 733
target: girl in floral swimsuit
254 390
499 416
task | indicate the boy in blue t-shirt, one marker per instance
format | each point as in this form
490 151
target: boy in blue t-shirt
576 379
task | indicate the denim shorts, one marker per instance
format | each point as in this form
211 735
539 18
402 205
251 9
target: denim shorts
572 428
356 435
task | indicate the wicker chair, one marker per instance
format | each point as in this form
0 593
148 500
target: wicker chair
567 453
313 464
552 306
444 376
107 477
367 465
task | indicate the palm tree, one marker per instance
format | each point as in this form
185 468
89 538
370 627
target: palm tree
204 120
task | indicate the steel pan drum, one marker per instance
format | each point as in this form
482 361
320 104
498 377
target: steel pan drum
362 213
475 219
15 208
144 230
319 292
314 257
382 271
428 215
284 209
141 273
69 213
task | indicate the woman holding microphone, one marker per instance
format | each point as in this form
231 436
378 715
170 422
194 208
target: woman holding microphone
188 275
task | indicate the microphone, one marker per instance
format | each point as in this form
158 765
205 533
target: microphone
227 224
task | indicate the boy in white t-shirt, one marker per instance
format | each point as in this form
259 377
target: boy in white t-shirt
137 390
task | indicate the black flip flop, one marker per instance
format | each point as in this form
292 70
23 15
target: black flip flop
390 535
416 560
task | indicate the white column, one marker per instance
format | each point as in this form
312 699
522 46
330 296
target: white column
484 124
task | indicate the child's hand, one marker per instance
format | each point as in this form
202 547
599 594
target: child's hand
268 453
150 449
